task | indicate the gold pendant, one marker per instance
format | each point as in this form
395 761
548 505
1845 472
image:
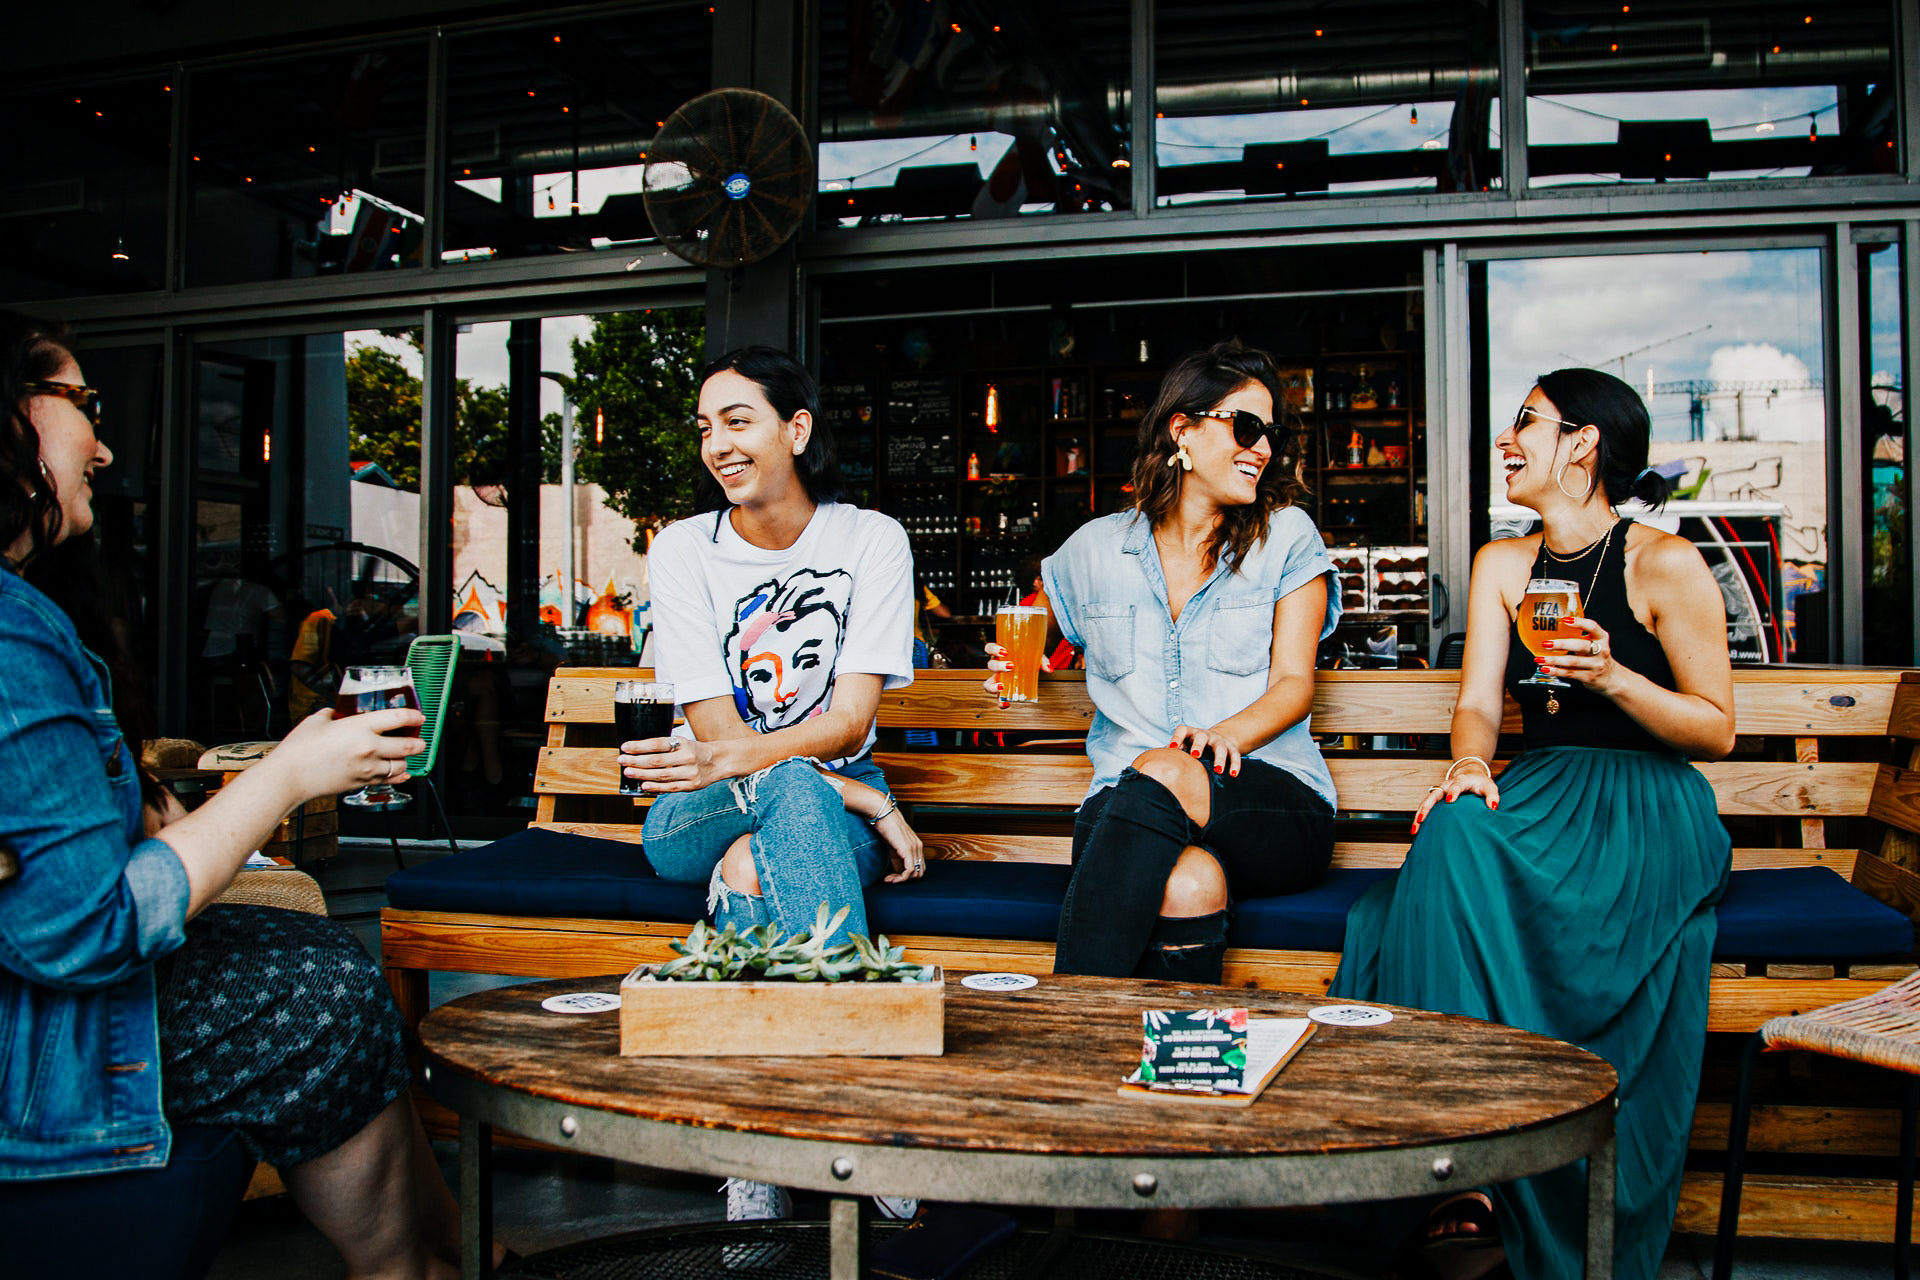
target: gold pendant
1553 704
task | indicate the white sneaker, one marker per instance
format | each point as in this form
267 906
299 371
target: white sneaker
749 1201
899 1208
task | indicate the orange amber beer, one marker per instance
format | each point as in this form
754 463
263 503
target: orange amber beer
1021 629
1548 603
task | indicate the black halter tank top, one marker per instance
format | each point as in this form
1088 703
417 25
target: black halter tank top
1586 719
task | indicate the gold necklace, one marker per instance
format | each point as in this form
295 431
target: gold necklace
1560 559
1605 540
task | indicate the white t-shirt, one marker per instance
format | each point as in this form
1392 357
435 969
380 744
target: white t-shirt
771 629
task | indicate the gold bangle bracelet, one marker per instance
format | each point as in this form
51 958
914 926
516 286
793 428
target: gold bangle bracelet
1463 760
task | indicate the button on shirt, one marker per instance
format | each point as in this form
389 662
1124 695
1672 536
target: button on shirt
1147 673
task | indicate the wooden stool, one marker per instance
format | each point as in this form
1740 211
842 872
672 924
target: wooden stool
1881 1030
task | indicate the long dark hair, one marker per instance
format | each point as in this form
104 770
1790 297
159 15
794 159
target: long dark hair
1588 396
789 388
1201 381
31 350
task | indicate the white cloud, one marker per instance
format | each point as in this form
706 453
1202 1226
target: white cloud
1767 414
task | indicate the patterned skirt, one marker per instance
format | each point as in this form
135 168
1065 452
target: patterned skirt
279 1025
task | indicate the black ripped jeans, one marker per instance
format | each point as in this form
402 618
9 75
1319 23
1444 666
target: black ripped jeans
1270 832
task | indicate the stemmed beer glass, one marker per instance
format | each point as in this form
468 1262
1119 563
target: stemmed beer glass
376 689
1548 603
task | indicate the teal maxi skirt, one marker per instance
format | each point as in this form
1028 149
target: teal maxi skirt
1582 909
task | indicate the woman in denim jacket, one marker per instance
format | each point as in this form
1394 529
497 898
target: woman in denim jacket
127 1005
1200 612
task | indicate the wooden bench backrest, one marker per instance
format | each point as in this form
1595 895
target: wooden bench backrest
576 778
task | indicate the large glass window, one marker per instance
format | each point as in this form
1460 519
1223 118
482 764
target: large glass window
1665 92
1888 491
550 125
308 167
84 207
1301 99
987 109
1727 349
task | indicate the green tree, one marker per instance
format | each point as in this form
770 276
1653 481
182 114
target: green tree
641 369
383 414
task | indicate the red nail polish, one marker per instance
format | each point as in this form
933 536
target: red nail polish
1196 755
1219 768
1546 644
1236 773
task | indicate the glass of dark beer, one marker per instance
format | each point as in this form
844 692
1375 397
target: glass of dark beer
376 689
641 709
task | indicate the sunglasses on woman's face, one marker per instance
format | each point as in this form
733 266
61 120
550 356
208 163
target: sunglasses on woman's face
1528 411
86 399
1247 427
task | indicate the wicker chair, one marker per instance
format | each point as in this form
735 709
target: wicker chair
1882 1030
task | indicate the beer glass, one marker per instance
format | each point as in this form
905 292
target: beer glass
641 709
1548 602
376 689
1021 630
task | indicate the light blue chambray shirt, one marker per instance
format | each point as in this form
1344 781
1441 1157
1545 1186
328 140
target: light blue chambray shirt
1147 673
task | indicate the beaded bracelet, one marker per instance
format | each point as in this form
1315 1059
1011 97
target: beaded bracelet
1462 760
893 804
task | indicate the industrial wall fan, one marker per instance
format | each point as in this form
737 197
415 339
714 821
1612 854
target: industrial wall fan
728 178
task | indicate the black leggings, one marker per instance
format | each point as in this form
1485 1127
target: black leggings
1270 832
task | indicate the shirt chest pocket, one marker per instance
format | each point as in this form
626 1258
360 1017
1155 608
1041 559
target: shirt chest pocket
1240 634
1110 640
114 752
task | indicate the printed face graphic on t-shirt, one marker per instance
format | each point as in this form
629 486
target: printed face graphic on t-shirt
785 638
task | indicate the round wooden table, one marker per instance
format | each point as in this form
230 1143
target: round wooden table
1024 1109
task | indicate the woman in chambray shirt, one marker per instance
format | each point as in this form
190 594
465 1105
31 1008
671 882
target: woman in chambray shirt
1200 612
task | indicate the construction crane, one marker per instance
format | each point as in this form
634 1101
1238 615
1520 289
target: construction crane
1701 390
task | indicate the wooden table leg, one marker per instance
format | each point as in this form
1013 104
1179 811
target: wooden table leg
476 1200
847 1236
1600 1208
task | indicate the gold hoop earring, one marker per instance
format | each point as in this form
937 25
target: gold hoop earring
1559 482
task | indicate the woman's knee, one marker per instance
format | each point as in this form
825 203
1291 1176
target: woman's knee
737 869
1181 774
1196 886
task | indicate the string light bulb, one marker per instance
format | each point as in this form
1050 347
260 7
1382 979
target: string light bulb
1813 128
1413 117
973 143
599 426
120 249
550 205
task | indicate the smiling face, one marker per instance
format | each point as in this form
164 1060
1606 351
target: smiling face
1226 473
69 450
1535 447
746 445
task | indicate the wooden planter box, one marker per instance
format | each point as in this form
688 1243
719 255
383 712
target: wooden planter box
785 1019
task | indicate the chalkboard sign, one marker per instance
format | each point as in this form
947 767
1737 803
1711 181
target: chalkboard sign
849 409
924 453
921 402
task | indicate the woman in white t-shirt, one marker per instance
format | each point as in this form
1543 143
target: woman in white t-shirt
779 617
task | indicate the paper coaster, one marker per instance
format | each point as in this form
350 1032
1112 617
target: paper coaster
1349 1015
581 1002
999 981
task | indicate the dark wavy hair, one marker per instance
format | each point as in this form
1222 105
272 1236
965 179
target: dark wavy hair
1201 381
1588 396
31 350
789 388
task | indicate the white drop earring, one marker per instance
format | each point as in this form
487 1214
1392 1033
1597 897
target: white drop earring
1180 456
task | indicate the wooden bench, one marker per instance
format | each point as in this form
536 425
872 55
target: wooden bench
1815 748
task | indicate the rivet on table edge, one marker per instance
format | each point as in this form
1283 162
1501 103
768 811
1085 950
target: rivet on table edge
1145 1184
426 1074
1442 1168
569 1126
842 1168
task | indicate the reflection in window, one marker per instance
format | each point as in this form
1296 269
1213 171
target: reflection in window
985 110
1889 482
1655 93
84 208
1727 350
551 125
1308 99
309 167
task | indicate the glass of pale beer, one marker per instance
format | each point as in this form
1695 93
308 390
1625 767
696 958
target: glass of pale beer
377 689
1549 602
1021 630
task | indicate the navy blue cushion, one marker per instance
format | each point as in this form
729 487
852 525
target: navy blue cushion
1786 913
1806 913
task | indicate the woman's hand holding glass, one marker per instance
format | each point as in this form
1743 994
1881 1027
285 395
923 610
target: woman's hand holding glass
327 756
997 662
1225 752
672 764
1586 660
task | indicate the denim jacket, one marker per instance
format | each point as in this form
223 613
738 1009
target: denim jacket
1147 673
81 925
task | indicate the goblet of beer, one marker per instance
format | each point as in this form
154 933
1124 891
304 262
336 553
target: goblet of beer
1021 630
1549 602
376 689
641 709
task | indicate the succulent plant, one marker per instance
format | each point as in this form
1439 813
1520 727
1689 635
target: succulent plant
707 954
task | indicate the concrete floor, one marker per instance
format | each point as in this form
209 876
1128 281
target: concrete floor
547 1200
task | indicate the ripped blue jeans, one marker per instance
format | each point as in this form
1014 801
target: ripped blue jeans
807 849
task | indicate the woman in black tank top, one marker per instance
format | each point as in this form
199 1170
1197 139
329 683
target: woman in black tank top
1574 896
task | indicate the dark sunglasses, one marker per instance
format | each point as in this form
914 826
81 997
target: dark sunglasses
1247 427
1528 411
86 399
